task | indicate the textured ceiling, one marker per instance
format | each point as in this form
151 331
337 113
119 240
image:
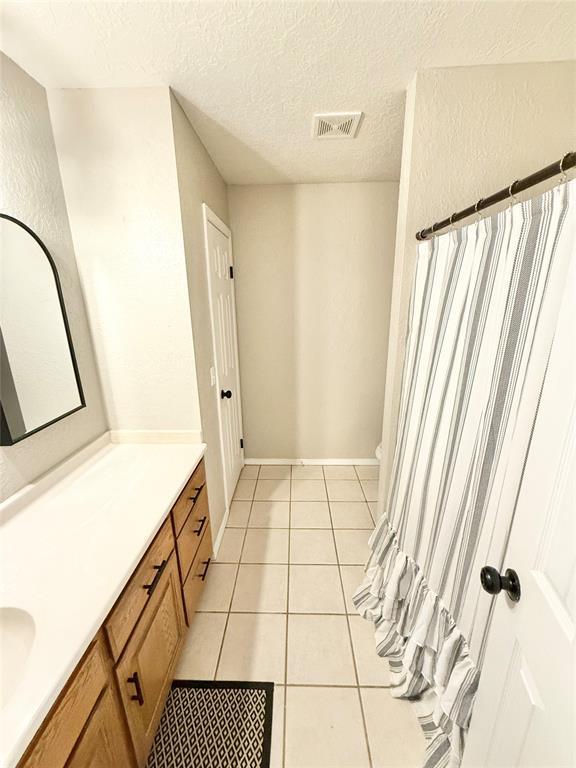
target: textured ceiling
251 74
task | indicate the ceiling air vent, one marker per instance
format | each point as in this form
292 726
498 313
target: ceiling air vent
336 125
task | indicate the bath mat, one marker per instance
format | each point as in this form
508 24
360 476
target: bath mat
214 724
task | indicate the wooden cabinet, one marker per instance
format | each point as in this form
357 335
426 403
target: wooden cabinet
104 742
69 715
137 593
189 497
194 583
147 666
108 713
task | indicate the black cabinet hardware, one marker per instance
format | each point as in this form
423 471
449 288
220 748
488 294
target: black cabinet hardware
493 583
157 576
202 522
198 492
225 393
202 575
135 680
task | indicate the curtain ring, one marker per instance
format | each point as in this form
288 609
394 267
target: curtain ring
511 195
563 177
476 209
451 220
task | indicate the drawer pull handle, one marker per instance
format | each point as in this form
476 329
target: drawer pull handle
194 498
202 522
135 680
202 575
157 576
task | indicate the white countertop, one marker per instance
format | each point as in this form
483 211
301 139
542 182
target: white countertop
68 545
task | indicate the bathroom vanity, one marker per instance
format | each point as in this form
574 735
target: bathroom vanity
104 561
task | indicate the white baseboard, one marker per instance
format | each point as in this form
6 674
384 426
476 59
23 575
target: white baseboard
155 436
219 536
331 462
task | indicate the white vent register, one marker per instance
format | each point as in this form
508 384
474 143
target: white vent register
336 125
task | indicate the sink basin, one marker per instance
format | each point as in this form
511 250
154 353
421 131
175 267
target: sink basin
17 630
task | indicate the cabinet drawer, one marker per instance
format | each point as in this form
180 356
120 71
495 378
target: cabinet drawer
126 612
195 582
189 496
146 669
69 716
192 532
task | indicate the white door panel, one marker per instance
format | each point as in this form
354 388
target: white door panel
524 715
224 336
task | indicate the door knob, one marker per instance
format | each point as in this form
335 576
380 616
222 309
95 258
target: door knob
225 393
493 583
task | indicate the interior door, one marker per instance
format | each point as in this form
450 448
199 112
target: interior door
524 714
225 346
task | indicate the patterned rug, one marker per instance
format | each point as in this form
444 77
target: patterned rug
208 724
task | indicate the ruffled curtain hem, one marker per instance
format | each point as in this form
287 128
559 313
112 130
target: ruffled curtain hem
428 655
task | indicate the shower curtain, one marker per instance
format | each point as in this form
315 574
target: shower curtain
481 322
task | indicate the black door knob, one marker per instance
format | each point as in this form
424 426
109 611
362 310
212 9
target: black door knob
493 583
225 393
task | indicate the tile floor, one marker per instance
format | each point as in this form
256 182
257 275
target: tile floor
277 607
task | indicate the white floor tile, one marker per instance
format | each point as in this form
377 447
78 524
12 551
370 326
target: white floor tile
307 472
352 577
249 472
310 514
319 651
273 490
261 589
307 547
265 546
351 514
370 488
339 472
254 647
308 490
218 587
367 471
315 589
277 746
270 514
352 547
371 668
324 729
244 490
344 490
239 514
394 734
200 653
275 472
231 546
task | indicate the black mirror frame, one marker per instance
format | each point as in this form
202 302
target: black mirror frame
6 438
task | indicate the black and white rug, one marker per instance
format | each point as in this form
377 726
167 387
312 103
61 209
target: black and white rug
214 724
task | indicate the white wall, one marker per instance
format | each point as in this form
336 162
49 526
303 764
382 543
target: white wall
116 154
468 132
31 190
313 279
198 182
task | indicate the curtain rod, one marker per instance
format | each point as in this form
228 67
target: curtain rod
567 162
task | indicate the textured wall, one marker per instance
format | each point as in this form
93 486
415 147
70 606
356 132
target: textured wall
314 275
468 132
116 153
198 182
31 190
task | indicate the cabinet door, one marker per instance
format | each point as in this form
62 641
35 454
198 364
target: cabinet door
104 743
146 669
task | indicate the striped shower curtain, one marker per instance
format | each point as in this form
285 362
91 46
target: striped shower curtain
481 322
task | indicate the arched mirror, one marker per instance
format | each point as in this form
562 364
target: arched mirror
39 379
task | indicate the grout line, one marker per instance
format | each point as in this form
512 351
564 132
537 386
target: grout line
235 580
286 631
350 636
